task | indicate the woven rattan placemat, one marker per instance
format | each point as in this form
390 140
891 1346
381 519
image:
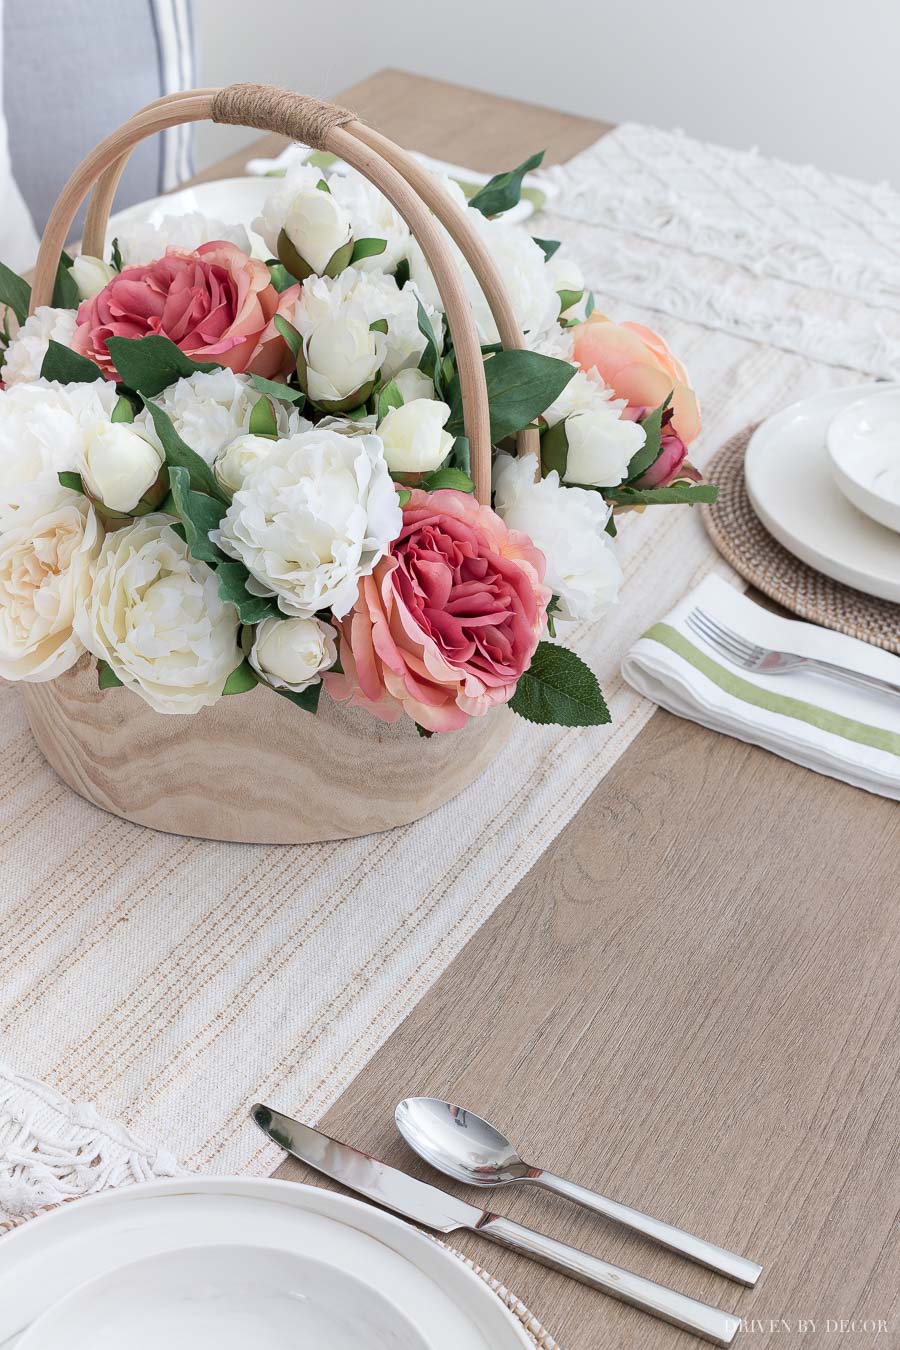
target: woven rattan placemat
743 540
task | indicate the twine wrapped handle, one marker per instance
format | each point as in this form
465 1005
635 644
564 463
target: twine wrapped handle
418 196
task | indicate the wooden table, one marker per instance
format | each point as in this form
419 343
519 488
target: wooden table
692 1000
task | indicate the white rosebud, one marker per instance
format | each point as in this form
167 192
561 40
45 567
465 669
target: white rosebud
567 276
413 436
601 446
237 459
318 232
91 275
292 653
414 383
343 356
118 465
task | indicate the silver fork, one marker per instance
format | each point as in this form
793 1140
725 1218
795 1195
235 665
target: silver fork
750 656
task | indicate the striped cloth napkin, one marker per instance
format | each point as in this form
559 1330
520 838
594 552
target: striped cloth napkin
836 729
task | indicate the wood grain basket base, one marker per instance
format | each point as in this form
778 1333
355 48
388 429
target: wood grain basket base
253 768
742 539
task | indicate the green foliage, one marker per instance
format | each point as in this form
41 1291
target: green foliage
448 478
68 367
148 365
650 451
504 189
115 256
180 455
389 397
677 494
559 689
367 248
65 292
308 700
430 361
198 514
278 389
72 481
549 246
290 334
232 577
123 411
521 385
241 680
15 293
263 421
282 279
107 677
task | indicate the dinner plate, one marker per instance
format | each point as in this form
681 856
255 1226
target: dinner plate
233 201
108 1237
864 448
792 490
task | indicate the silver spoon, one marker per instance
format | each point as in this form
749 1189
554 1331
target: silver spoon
463 1146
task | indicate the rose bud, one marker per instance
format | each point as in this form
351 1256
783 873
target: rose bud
601 445
413 436
340 362
235 461
91 275
414 383
292 653
121 470
316 235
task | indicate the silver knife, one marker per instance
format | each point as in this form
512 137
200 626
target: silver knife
434 1208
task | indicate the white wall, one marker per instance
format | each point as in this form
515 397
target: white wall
807 80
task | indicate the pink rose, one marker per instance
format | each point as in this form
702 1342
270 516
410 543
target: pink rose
448 621
671 462
216 304
638 365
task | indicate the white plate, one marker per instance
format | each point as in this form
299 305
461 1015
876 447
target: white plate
864 448
54 1255
791 489
233 201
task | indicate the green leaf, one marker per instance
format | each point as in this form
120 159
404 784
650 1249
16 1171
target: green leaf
281 278
429 361
677 494
403 496
180 455
107 677
14 292
460 456
390 397
521 384
611 528
650 451
289 333
504 189
148 365
241 680
367 248
448 478
426 735
232 578
552 607
198 514
549 246
590 305
115 256
277 389
555 449
401 275
308 700
123 411
559 689
65 292
378 326
68 367
72 481
263 421
567 299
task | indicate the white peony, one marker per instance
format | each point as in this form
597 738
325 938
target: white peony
119 465
568 525
292 653
25 353
154 615
601 445
91 275
414 437
43 427
414 383
371 217
210 409
46 564
143 242
311 519
523 270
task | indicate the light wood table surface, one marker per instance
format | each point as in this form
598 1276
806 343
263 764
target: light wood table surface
691 1002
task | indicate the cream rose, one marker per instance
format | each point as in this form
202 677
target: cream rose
292 653
601 445
316 234
119 466
413 436
154 615
91 275
414 383
237 459
46 564
343 356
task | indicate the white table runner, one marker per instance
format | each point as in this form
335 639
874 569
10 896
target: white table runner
171 982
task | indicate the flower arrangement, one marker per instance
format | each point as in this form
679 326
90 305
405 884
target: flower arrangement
219 470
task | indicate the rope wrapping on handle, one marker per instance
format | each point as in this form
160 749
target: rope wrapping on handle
290 114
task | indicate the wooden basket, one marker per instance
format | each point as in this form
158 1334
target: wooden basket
254 768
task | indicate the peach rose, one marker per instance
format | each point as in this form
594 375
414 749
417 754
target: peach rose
448 621
637 364
216 304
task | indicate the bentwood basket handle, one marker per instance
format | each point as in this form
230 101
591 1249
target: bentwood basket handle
416 194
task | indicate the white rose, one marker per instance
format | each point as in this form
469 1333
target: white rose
371 217
25 353
311 519
414 384
119 465
143 242
568 525
46 564
91 275
212 408
299 179
318 228
343 356
154 615
292 653
585 391
235 461
413 436
42 432
601 446
566 275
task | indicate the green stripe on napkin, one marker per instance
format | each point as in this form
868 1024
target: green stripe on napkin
747 692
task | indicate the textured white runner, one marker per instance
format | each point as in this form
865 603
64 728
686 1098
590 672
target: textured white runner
171 982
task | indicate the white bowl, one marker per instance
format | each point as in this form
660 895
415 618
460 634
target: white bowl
864 449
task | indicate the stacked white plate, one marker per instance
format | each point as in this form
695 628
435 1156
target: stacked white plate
221 1264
